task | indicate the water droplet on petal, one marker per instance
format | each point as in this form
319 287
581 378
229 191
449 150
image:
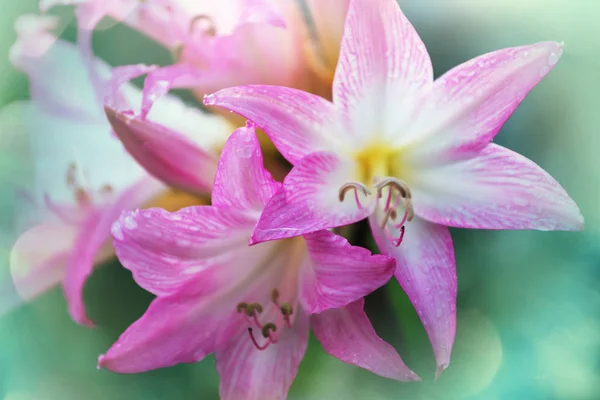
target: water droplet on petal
552 59
130 222
244 152
117 232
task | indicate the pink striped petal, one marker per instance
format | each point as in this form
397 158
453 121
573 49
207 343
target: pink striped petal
347 334
382 65
242 181
337 273
165 250
251 374
175 329
498 189
309 200
92 235
166 154
426 270
297 122
38 257
471 102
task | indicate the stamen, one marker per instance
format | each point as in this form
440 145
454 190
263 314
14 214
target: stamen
255 343
241 307
356 186
275 296
267 329
404 193
205 22
286 310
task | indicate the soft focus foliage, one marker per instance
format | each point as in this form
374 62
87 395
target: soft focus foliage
528 302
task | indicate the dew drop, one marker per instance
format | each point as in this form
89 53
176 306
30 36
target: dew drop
130 223
117 232
244 152
552 59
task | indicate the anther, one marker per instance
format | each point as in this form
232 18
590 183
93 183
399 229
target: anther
394 183
356 186
267 329
255 343
275 296
242 307
252 307
286 309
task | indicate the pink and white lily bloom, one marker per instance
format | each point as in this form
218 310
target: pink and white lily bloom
83 177
251 306
412 154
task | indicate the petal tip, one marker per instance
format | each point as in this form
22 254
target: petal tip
209 99
441 368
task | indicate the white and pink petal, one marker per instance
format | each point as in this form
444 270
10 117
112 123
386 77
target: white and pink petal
426 270
297 122
347 334
336 273
498 189
309 199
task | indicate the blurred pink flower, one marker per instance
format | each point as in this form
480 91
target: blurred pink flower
251 306
83 178
407 152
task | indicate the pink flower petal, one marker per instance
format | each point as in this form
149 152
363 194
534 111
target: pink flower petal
382 65
251 374
175 329
38 257
166 250
242 181
297 122
426 270
164 153
498 189
309 200
347 334
471 102
337 273
92 235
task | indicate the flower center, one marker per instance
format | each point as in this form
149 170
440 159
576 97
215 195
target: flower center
377 168
271 331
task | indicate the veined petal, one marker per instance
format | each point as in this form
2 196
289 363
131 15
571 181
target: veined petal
498 189
165 153
426 270
251 374
92 235
175 329
165 250
38 257
382 64
347 334
470 103
337 273
309 200
297 122
242 181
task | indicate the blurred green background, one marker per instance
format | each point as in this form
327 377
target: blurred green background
529 302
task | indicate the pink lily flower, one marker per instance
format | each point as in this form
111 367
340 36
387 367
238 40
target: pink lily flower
412 154
83 176
251 306
236 43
